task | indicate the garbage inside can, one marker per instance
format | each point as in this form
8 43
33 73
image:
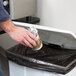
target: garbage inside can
50 58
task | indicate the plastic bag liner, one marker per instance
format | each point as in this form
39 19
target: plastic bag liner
51 58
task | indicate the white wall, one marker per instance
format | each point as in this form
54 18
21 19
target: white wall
22 8
58 13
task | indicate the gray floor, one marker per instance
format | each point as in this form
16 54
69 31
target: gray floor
4 63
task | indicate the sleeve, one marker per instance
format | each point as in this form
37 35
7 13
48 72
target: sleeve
3 13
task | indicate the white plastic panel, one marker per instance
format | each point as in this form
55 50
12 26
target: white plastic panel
17 70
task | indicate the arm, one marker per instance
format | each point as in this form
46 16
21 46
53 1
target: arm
18 34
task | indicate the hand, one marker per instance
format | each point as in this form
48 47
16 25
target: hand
19 34
23 36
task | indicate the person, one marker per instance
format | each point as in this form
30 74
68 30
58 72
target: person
18 34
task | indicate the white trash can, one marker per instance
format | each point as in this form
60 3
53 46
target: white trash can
17 70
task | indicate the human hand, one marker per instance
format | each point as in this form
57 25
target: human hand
23 36
19 34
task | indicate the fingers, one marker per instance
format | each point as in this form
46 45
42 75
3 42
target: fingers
31 41
31 35
27 43
23 43
24 37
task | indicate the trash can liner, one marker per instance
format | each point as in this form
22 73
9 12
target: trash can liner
50 58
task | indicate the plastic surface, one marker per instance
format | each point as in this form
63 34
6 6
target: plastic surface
50 58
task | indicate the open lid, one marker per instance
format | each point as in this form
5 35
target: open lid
66 39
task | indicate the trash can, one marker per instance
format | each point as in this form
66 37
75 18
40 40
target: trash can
56 58
52 59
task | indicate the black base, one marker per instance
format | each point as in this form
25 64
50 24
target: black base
28 19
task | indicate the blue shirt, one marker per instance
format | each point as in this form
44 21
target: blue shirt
3 13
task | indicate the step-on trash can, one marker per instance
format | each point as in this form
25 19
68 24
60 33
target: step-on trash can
56 58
